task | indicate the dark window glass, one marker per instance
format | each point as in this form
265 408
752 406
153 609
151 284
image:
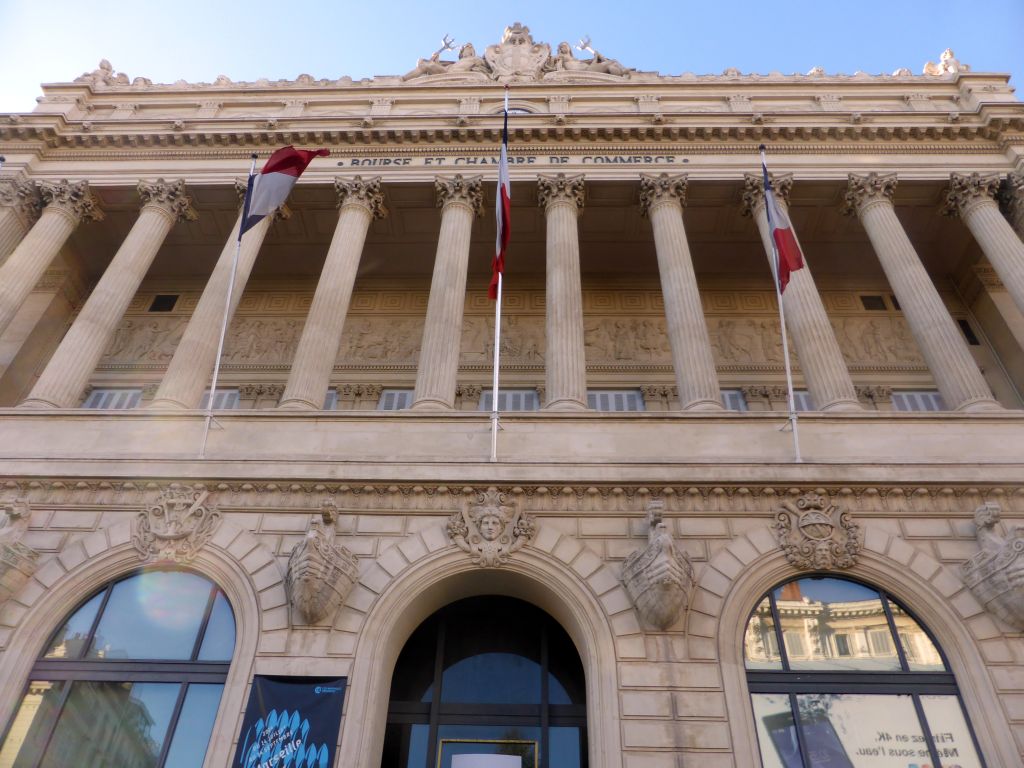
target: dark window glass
195 724
72 639
873 303
163 303
968 332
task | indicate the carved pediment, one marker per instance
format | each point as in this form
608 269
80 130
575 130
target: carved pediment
321 573
659 578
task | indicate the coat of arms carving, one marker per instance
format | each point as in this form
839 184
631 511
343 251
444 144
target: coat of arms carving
517 56
996 574
17 560
815 534
490 529
320 572
659 578
176 525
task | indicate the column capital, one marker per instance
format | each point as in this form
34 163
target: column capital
367 193
866 190
662 188
560 189
753 190
1011 193
171 197
22 196
72 199
457 190
968 190
282 212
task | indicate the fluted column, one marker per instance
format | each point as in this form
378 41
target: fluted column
19 208
944 349
973 198
1011 200
66 205
561 197
662 199
360 202
460 200
821 361
190 369
65 376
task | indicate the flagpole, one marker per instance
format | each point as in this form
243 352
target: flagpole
224 320
497 338
782 319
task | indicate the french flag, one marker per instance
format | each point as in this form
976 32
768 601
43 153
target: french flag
269 188
787 250
504 212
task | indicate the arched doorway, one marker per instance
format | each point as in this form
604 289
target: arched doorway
487 675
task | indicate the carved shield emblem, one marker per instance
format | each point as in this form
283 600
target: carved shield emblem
517 55
816 525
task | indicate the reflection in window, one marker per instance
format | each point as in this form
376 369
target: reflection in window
845 686
178 632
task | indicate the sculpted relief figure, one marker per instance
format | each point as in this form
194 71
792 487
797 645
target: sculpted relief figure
565 61
320 573
138 340
176 525
996 574
517 57
522 340
489 529
948 65
467 62
815 534
659 578
17 560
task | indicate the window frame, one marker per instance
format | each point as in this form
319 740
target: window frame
103 670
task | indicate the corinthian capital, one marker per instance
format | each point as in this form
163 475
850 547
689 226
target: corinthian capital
458 190
865 190
967 191
22 196
1011 194
661 188
367 193
169 196
71 198
560 189
753 190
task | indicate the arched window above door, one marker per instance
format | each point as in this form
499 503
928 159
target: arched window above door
133 677
841 674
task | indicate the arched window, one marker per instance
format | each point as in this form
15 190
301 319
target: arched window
132 679
841 675
487 675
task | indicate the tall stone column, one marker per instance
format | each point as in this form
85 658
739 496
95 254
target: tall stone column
65 206
662 199
944 349
460 200
1011 199
561 197
19 208
65 376
973 198
360 202
190 369
821 361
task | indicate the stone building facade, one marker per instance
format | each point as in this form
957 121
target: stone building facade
645 495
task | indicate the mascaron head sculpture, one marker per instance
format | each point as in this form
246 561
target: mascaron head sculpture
490 529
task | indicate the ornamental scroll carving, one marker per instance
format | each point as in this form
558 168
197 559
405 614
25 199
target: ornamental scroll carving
176 526
815 534
17 560
320 573
489 529
996 574
659 578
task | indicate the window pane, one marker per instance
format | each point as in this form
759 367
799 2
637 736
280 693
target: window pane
192 732
405 746
413 679
115 724
566 683
921 653
154 615
565 746
814 612
952 740
70 640
219 640
861 731
776 735
761 644
31 726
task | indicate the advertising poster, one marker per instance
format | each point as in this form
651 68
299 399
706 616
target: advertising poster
291 722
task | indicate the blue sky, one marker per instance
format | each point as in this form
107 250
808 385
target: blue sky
196 41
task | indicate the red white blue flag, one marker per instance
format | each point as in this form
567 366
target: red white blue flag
269 188
504 214
787 249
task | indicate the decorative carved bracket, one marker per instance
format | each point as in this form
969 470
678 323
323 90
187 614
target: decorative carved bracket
659 578
176 526
17 560
816 535
489 529
996 574
320 573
